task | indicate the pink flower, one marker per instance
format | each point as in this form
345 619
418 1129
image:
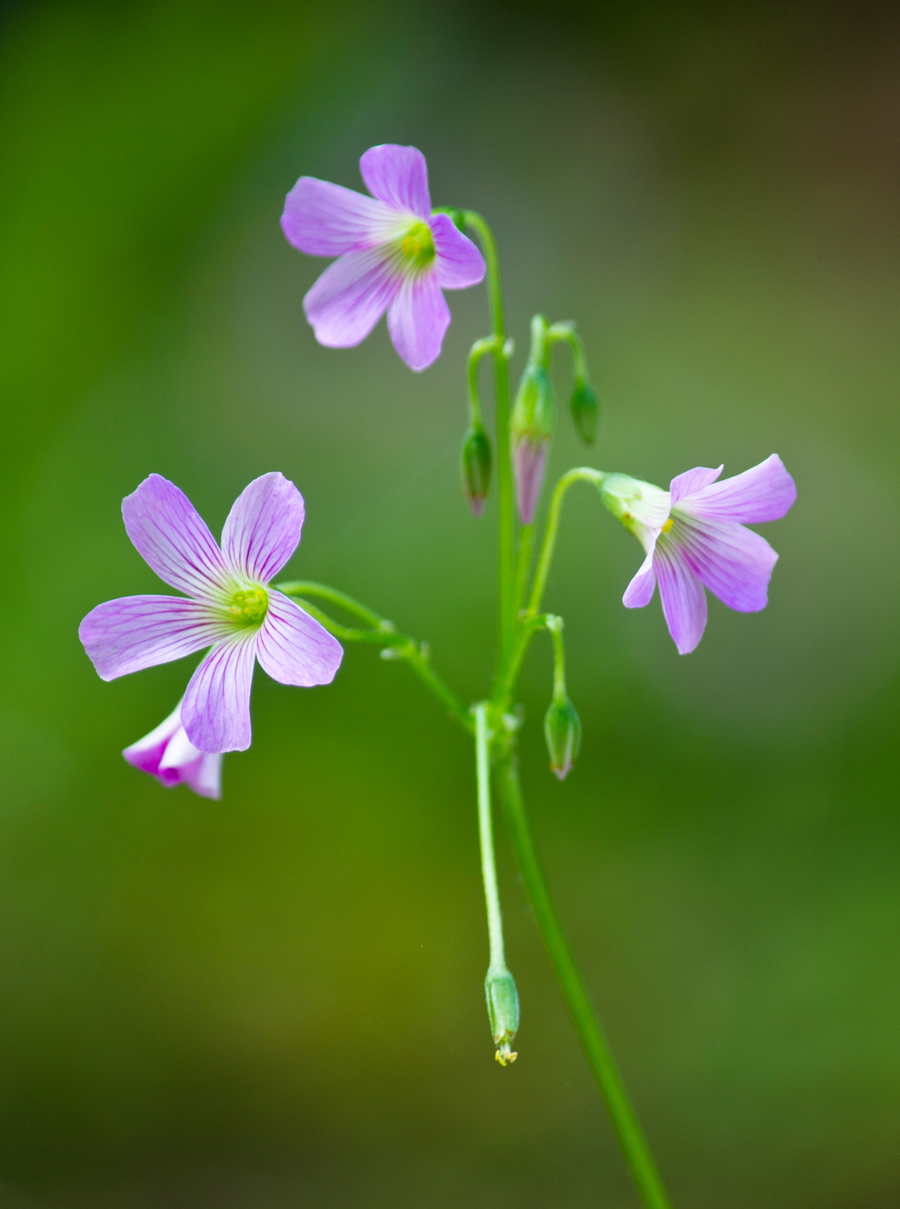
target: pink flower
694 537
169 755
393 254
231 607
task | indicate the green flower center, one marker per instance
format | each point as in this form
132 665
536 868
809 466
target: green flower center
417 246
248 608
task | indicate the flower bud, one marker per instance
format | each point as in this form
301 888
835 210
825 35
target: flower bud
531 428
585 407
503 1011
562 730
476 467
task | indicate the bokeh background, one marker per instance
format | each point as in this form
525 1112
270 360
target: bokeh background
275 1001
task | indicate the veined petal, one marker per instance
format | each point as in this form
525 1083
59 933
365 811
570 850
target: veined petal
732 561
640 591
215 712
397 176
763 493
458 261
683 598
173 538
134 632
351 296
327 220
294 648
417 320
263 528
147 753
691 481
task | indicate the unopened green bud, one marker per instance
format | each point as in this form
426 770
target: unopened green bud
476 462
562 730
585 407
503 1011
531 428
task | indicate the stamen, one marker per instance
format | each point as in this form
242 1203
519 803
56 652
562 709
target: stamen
417 246
249 608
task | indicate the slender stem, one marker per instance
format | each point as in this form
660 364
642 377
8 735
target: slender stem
478 350
486 836
555 626
580 474
523 563
566 332
504 455
384 633
631 1137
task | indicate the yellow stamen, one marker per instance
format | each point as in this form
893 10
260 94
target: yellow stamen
248 608
668 525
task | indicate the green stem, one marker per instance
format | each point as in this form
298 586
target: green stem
504 454
486 836
479 349
631 1137
384 633
580 474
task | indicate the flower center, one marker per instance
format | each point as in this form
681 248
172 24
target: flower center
248 608
417 246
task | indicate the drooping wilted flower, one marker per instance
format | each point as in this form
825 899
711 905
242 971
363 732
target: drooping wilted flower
394 255
694 536
231 606
169 755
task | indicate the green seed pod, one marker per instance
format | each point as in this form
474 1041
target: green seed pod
476 461
562 730
503 1011
585 407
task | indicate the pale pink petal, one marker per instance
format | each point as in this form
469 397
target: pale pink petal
417 320
683 598
691 481
640 591
216 707
172 537
147 753
263 528
763 493
294 648
327 220
351 296
732 561
134 632
397 176
529 464
458 262
199 770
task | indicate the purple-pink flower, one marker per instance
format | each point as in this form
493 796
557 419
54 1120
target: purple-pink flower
169 755
393 254
695 538
231 607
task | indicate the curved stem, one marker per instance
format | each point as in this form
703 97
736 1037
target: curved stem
580 474
384 633
631 1137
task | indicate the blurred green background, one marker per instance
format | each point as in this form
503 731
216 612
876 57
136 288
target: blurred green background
275 1000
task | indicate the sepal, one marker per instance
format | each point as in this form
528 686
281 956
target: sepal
503 1011
476 463
562 730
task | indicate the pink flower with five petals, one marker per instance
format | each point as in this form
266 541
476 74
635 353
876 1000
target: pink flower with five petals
231 606
393 254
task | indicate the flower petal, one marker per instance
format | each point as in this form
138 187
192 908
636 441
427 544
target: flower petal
134 632
327 220
397 176
640 591
732 561
459 262
351 296
263 528
691 481
215 712
763 493
172 537
294 648
199 770
683 598
147 753
417 320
